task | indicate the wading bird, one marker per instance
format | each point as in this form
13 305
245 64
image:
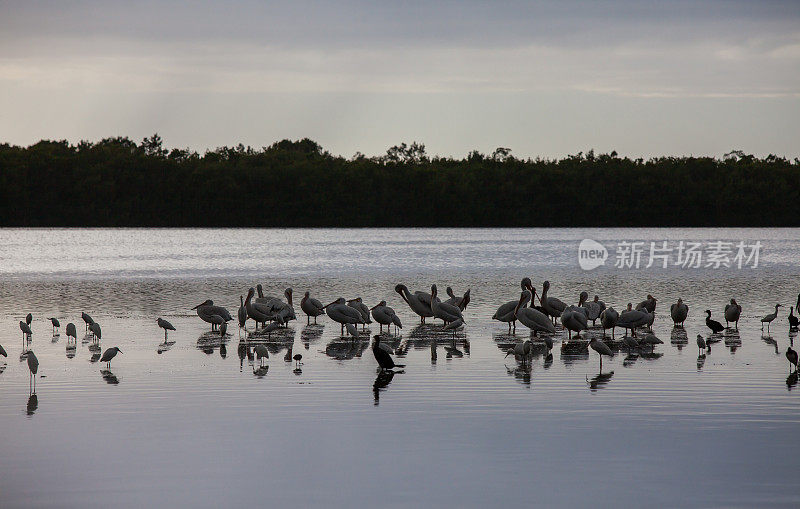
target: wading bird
385 360
109 354
552 306
56 325
26 330
701 344
362 308
419 302
608 320
732 313
532 318
793 321
385 315
72 332
442 310
311 307
166 326
33 366
207 312
791 356
261 353
601 349
714 325
87 320
679 311
340 312
769 318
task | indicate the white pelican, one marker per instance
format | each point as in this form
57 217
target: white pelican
649 304
679 311
608 320
552 306
732 313
362 308
506 312
385 315
768 318
340 312
419 302
442 310
461 302
257 312
311 307
532 318
593 308
207 309
633 319
573 318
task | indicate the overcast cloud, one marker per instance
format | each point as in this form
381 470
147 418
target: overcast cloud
643 78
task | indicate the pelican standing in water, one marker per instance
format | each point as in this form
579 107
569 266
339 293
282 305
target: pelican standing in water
166 326
791 356
340 312
701 344
732 313
461 302
254 310
446 312
419 302
311 307
678 312
384 315
206 310
769 318
593 308
793 321
552 306
573 318
506 312
88 320
56 325
532 318
633 319
608 320
362 308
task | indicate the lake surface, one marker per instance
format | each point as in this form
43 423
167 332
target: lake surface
196 423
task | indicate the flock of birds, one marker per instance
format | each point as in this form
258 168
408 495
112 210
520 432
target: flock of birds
270 313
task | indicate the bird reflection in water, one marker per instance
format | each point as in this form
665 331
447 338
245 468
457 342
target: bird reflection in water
548 360
210 341
223 350
599 381
770 341
733 340
434 355
109 377
310 334
95 356
241 351
630 359
522 373
33 404
791 381
701 361
678 337
346 348
261 370
71 349
453 351
382 381
164 347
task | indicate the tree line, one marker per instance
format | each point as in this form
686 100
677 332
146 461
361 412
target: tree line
118 182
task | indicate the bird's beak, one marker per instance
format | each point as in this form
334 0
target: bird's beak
197 306
326 305
373 307
119 351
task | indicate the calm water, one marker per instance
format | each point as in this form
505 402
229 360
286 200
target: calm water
192 424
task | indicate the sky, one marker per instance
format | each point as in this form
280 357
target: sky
644 78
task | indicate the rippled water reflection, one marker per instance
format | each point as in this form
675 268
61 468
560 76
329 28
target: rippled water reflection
197 421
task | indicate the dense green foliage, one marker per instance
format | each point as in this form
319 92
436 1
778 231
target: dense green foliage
117 182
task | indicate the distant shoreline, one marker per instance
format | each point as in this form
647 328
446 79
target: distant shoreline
118 183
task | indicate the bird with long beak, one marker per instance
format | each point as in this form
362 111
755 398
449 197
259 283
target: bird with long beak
340 312
206 311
